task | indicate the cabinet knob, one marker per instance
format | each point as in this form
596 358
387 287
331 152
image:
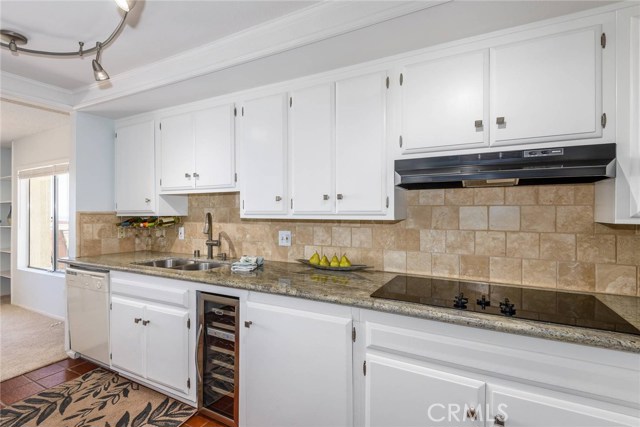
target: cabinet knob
196 175
478 124
498 420
137 319
500 121
278 198
472 414
248 323
147 200
339 196
325 197
145 322
186 175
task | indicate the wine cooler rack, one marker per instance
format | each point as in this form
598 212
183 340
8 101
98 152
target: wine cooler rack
218 358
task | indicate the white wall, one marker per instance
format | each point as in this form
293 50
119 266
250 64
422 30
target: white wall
91 170
39 291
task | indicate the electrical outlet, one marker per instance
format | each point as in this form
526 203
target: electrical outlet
180 233
284 238
122 233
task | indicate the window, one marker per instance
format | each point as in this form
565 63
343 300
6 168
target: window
45 200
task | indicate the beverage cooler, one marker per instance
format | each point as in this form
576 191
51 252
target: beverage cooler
218 357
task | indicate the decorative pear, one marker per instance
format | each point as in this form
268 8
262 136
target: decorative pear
315 259
335 262
324 261
344 261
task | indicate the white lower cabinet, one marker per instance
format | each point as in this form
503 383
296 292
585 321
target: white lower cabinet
399 393
297 368
423 373
149 334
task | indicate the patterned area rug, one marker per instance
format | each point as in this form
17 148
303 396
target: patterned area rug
99 398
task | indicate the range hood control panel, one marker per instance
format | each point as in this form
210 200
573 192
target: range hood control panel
544 153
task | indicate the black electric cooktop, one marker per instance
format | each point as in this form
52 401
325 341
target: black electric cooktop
543 305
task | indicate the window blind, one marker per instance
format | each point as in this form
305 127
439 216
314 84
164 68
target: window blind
49 170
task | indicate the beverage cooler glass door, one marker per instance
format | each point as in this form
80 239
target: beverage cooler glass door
218 357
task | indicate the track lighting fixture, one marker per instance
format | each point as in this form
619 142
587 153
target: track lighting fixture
13 41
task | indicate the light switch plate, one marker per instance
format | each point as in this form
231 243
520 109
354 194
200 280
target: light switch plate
180 233
284 238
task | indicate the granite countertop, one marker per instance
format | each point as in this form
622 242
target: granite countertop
355 288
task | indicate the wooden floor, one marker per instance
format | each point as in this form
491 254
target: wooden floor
23 386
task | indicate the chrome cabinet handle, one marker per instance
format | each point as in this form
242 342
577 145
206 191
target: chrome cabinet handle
147 200
278 198
498 420
500 121
248 323
196 175
478 124
145 322
186 175
198 353
472 414
339 196
137 319
325 197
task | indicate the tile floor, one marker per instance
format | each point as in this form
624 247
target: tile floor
23 386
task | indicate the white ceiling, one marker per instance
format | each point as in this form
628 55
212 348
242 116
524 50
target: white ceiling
18 120
155 29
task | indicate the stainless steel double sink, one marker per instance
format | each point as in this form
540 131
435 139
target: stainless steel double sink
182 264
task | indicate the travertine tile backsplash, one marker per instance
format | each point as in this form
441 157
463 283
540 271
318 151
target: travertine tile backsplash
536 236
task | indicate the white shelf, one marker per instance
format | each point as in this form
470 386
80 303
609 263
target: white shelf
6 273
5 226
5 250
5 201
5 178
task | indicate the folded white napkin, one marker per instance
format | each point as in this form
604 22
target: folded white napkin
247 263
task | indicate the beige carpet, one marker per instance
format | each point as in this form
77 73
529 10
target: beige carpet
28 341
98 398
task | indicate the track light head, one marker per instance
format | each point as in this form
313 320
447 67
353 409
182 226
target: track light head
126 5
98 72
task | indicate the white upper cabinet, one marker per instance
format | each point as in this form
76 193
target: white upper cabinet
618 200
311 150
198 151
361 160
135 186
445 103
548 88
135 172
176 146
263 149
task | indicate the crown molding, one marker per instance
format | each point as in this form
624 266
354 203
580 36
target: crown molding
18 88
312 24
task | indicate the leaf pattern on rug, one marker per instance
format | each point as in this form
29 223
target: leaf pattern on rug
98 398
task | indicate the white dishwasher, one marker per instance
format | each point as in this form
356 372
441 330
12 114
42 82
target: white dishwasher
88 313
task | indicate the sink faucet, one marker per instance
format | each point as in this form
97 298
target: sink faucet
208 230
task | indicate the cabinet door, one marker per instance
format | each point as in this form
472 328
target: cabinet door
176 146
135 168
360 147
547 88
167 346
406 394
214 147
127 335
298 368
263 156
311 147
525 409
445 103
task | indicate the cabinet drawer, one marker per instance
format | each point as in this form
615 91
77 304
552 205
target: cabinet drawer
150 291
592 372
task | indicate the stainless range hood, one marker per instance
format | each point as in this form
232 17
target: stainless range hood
562 165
